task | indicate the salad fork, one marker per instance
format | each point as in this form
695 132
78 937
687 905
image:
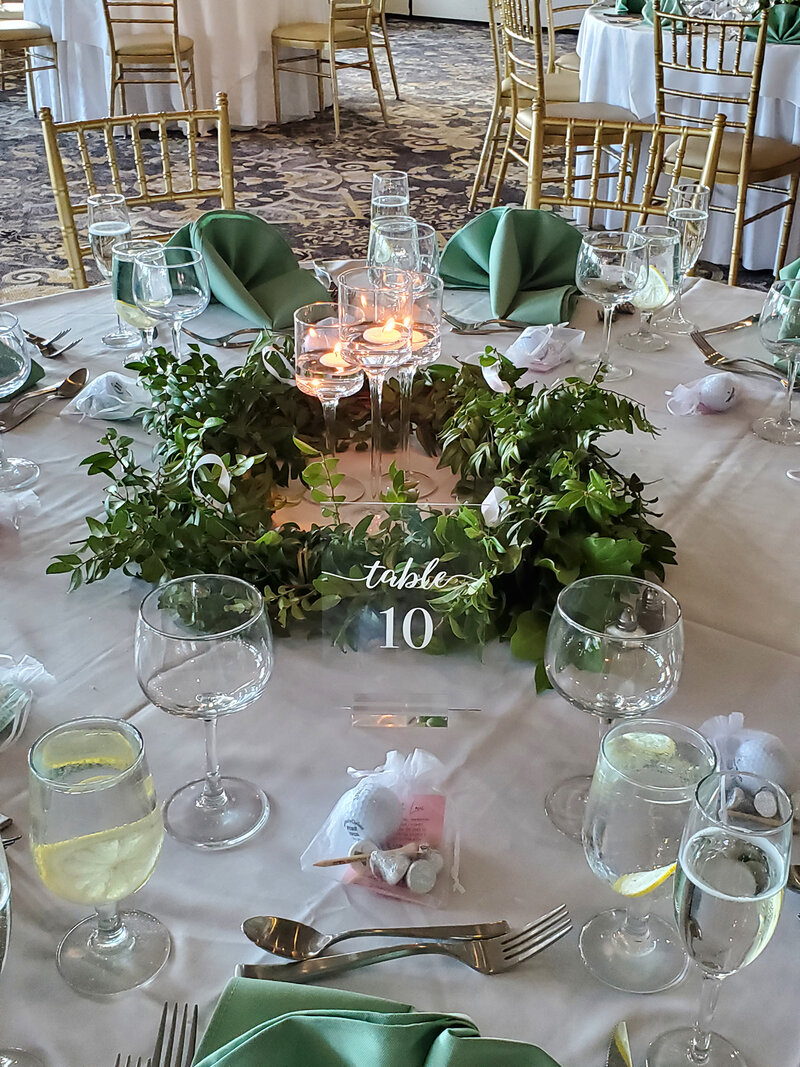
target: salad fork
129 1062
460 326
229 340
175 1047
61 351
42 342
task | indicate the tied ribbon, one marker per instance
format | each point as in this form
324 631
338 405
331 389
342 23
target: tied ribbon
266 359
211 459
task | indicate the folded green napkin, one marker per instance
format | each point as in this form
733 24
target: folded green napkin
35 374
526 259
258 1023
629 7
783 25
251 268
791 270
666 7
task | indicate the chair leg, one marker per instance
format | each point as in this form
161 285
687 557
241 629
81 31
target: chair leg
276 85
385 33
320 82
489 142
123 91
738 232
376 80
58 82
177 58
787 222
190 66
335 91
29 75
501 174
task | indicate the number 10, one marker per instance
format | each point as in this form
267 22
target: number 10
408 637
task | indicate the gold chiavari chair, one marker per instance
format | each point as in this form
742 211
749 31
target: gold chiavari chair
145 170
380 39
349 26
564 15
560 85
32 48
708 51
522 41
144 40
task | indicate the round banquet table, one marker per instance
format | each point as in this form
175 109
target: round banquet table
232 54
618 67
733 513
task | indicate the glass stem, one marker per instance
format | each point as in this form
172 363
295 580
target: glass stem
701 1039
608 314
176 339
677 314
645 323
111 931
329 415
635 929
376 452
405 379
213 793
148 340
3 461
786 416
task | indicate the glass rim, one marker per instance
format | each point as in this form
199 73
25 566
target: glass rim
193 256
151 245
298 312
372 287
633 725
12 324
388 221
121 726
598 239
384 174
672 234
616 637
703 803
219 635
106 198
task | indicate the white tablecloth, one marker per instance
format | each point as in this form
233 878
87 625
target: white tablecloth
734 516
618 67
233 53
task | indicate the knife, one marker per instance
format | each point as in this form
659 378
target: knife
619 1049
740 324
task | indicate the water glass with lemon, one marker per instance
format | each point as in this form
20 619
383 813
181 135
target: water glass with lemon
664 244
641 793
96 832
124 255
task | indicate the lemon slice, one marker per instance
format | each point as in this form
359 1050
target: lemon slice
655 293
623 1043
645 746
641 882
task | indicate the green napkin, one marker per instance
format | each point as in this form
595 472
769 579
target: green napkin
35 374
526 259
667 7
783 25
629 7
791 270
251 268
280 1024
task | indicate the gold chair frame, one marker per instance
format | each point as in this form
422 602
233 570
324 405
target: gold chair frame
33 61
717 48
144 187
380 39
560 17
179 63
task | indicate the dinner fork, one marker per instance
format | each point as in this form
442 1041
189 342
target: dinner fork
228 340
175 1048
46 343
716 359
129 1062
491 955
460 326
61 351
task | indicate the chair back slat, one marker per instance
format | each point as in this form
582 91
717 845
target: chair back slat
522 39
562 15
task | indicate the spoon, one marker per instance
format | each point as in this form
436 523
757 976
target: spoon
794 878
70 387
295 941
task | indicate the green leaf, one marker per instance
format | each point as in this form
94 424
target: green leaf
530 635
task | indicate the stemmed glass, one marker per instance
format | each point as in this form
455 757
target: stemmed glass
109 222
428 247
643 785
10 1057
779 331
321 372
614 649
124 254
203 649
612 267
664 246
15 366
394 243
96 834
171 285
390 194
375 315
732 869
687 211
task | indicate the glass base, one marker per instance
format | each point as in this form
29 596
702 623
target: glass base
611 372
672 1050
126 966
566 804
643 342
350 488
122 338
17 474
423 485
190 819
794 475
778 431
17 1057
625 964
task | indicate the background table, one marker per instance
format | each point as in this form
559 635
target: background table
734 515
232 54
618 67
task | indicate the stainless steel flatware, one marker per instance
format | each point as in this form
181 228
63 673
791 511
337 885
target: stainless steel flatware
42 342
177 1037
488 955
619 1048
231 340
61 351
18 410
793 882
129 1061
717 359
729 327
295 941
460 326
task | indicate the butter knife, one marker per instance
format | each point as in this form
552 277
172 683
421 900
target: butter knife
619 1049
728 327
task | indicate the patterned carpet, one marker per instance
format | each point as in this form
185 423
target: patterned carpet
315 188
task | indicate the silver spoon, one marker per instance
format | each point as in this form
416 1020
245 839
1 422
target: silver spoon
70 387
295 941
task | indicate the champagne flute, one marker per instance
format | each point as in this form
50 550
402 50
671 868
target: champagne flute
394 244
10 1057
612 267
15 366
390 194
96 834
643 786
171 285
123 256
614 649
203 649
779 331
664 246
322 372
687 210
732 869
109 222
428 250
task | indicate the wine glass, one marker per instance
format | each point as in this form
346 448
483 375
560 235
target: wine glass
643 786
428 250
96 834
123 256
394 244
322 372
732 869
203 649
109 222
664 246
10 1057
614 649
171 285
375 315
779 331
390 194
612 267
15 366
687 210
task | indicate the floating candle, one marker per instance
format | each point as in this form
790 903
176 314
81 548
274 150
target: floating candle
418 339
334 359
383 335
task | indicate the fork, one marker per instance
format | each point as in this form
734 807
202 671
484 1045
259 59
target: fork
43 342
228 340
176 1047
491 955
61 351
716 359
460 326
129 1062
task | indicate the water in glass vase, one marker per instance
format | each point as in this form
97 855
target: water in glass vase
326 376
691 224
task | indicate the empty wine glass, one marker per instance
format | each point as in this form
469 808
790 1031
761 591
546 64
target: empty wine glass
614 649
664 246
10 1057
732 869
687 210
612 267
390 194
171 285
394 244
779 331
96 833
643 786
123 256
203 649
15 366
428 246
109 222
